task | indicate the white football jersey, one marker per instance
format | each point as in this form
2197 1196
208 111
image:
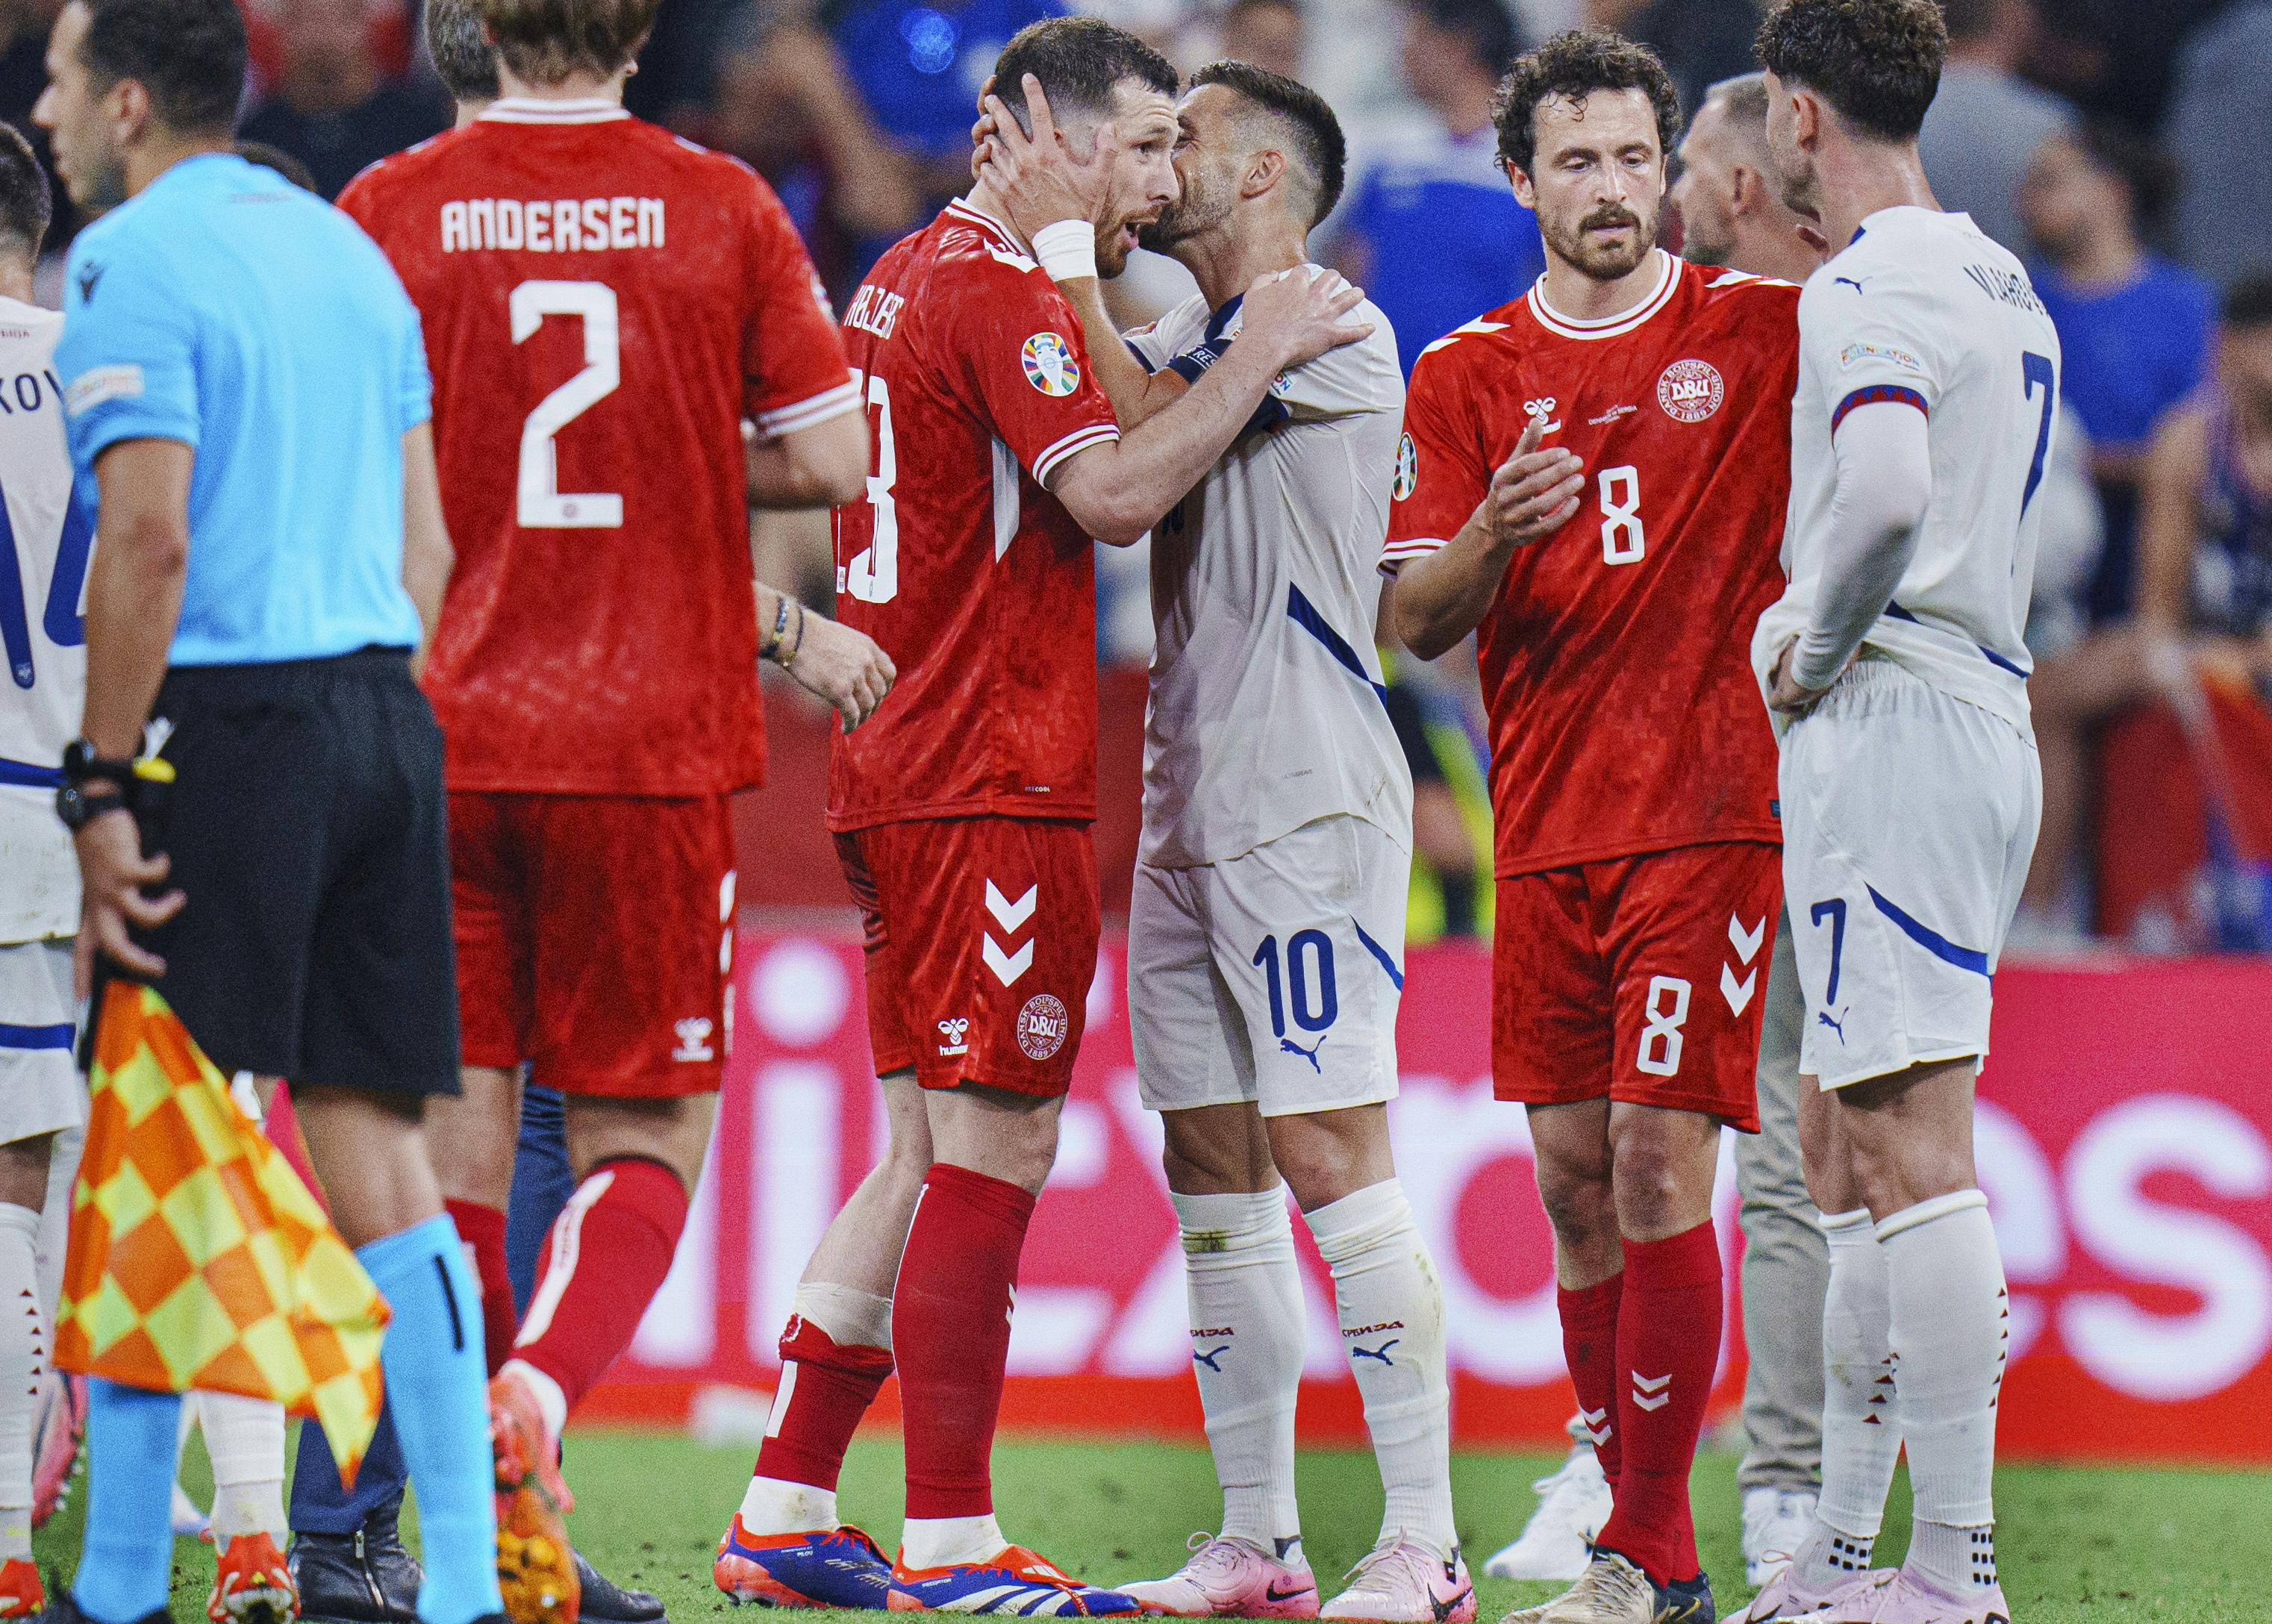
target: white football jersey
1267 710
43 556
1922 307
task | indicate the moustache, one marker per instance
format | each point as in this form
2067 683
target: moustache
1603 218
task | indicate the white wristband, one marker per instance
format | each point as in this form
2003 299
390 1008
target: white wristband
1066 249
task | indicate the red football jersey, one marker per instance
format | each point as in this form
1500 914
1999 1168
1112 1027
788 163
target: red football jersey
604 304
974 579
1624 714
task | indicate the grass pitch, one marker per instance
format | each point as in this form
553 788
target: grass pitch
2078 1546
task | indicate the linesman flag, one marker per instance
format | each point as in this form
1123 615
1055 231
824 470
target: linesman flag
197 1258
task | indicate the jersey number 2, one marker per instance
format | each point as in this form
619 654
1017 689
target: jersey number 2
873 576
542 505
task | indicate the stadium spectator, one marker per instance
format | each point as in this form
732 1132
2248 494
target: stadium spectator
1432 230
1987 121
1270 33
333 107
2136 328
919 66
23 26
2204 579
2219 109
1700 41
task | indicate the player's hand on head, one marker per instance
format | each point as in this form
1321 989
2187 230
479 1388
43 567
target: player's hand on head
843 666
1297 315
1535 491
112 874
1039 178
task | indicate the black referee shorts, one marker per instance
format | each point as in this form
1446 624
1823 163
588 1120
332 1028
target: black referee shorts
307 827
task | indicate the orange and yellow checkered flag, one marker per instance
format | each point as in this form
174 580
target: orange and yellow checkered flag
197 1258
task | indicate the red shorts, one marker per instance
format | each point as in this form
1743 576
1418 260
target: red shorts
595 935
1642 978
982 942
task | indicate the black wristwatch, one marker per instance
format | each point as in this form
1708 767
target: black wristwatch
77 806
82 762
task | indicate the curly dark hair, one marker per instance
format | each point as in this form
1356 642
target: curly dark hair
1876 61
1575 65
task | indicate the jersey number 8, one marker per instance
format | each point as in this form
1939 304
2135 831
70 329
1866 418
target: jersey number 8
1623 541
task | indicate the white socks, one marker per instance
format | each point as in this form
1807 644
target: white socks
1392 1318
245 1439
936 1542
1951 1324
1244 1291
23 1366
1861 1409
852 1318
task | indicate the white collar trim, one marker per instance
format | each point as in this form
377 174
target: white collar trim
539 111
1609 327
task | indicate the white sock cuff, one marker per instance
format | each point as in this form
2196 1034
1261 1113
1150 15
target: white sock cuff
24 1220
851 1317
1926 1211
1848 1228
1346 1227
1239 1222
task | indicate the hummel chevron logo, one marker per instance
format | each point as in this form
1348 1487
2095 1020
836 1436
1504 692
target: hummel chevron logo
1010 914
1738 993
1007 967
1746 943
1597 1423
1652 1392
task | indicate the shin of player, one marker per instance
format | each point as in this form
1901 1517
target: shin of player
1597 470
1261 877
1929 380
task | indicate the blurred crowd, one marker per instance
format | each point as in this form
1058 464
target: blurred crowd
2120 147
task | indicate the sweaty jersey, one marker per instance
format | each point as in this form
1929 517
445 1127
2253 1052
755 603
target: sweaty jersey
959 562
47 538
1923 309
604 305
1268 708
1623 715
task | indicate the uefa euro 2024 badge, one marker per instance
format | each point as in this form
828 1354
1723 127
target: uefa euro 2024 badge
1049 365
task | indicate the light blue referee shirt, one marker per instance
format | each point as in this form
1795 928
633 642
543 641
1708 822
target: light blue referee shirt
224 308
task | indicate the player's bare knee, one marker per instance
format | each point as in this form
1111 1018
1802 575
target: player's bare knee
1909 1135
1664 1163
1216 1150
1002 1134
1326 1155
1581 1202
675 1132
369 1150
23 1170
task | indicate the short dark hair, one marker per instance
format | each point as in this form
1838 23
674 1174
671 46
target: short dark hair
1575 65
291 168
1876 61
2248 303
1969 19
1319 148
2142 168
1078 60
25 206
1745 97
463 57
545 40
189 55
1483 26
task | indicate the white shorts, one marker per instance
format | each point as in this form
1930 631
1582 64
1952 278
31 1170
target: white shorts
1909 818
39 1086
1273 977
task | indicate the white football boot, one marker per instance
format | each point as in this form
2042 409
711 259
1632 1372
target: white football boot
1574 1502
1776 1523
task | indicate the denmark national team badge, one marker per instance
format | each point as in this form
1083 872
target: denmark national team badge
1407 478
1049 365
1042 1026
1690 391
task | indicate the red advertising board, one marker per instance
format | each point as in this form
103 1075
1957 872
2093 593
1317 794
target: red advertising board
2125 1145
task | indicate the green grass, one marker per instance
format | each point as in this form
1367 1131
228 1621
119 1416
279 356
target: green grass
2077 1545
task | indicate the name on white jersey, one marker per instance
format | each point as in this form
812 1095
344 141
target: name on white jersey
567 226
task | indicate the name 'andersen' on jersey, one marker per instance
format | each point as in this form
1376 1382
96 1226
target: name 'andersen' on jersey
604 304
971 576
1623 717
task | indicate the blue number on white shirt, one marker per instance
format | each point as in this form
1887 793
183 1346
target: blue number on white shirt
2037 370
61 617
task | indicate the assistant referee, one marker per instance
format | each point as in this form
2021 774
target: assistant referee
245 380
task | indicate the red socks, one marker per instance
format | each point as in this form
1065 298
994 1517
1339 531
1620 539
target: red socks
1589 1346
951 1326
603 1262
483 1230
824 1389
1668 1348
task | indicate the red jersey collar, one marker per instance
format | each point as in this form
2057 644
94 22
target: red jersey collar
1570 327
